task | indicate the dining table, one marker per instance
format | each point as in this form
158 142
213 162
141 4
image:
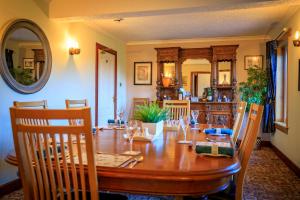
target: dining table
167 168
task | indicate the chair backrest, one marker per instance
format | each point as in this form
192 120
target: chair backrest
240 113
247 144
76 103
52 168
31 104
138 102
70 104
177 108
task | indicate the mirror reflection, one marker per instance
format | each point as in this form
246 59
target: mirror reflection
24 55
224 72
196 74
169 74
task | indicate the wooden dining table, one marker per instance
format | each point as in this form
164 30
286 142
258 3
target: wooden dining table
168 168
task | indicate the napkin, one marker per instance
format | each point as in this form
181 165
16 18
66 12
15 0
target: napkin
215 148
112 121
226 131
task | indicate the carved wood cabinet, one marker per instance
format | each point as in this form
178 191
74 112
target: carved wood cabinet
214 112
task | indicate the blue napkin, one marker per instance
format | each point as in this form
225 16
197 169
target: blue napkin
226 131
112 121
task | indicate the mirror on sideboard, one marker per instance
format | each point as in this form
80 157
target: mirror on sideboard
224 72
196 75
169 74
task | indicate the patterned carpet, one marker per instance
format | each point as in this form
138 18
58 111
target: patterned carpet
268 178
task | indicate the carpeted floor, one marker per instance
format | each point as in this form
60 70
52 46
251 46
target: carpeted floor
268 178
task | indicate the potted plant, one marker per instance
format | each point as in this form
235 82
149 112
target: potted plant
254 90
152 117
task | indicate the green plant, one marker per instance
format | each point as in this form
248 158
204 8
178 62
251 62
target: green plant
151 113
254 90
23 76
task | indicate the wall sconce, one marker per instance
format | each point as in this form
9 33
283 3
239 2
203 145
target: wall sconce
296 42
73 47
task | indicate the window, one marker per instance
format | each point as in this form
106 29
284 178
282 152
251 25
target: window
281 86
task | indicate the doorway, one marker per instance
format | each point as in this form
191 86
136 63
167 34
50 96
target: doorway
105 85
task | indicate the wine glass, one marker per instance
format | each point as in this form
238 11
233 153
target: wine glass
130 131
195 114
121 114
184 123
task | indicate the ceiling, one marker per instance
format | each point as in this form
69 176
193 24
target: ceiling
176 19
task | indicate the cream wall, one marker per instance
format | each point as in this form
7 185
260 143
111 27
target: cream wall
289 144
71 77
146 52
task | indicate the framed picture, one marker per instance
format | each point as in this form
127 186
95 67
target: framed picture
142 73
28 63
255 62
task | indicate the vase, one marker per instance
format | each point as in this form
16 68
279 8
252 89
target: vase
154 128
166 81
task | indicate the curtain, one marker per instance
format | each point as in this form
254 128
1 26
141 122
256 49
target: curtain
9 58
271 67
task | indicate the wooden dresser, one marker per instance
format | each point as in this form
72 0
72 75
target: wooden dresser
222 62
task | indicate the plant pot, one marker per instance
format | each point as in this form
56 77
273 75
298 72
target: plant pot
166 82
154 128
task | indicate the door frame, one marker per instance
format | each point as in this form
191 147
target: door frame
111 51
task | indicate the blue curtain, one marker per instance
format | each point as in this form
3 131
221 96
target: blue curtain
271 66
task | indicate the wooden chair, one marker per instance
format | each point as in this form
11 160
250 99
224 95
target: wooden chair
177 108
138 102
235 190
70 104
48 170
247 145
31 104
240 113
76 103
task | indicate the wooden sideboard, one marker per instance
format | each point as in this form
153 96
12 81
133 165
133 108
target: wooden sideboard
213 112
218 113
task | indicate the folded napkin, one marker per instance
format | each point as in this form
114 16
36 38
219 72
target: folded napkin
215 148
226 131
112 121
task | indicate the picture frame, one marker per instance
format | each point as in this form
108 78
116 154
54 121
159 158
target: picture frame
255 62
28 63
142 73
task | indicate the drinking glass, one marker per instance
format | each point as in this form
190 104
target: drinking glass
130 131
121 114
195 114
184 123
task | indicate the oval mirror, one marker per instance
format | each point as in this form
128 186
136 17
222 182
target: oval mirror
25 56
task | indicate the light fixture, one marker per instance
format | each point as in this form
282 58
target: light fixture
73 47
119 19
296 41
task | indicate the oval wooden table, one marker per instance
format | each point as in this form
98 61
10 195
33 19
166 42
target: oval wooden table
168 168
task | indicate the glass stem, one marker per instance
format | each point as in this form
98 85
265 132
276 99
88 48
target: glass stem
131 141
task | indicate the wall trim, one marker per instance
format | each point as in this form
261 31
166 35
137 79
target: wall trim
290 164
10 187
199 40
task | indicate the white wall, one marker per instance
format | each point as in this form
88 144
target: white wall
289 144
71 77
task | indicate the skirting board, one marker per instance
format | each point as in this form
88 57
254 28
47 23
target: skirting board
283 157
10 187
